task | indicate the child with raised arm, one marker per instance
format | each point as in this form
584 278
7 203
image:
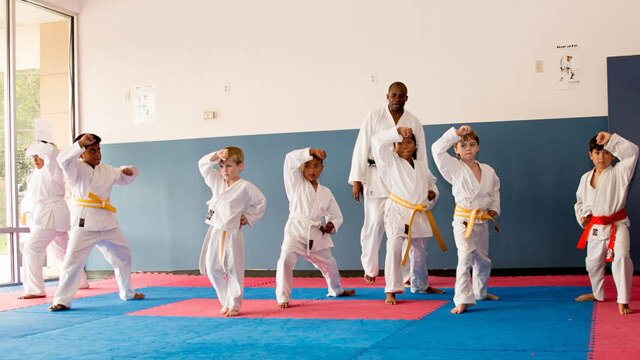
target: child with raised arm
48 217
476 190
235 202
601 198
412 191
93 219
314 215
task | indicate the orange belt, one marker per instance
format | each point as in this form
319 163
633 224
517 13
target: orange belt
603 220
432 222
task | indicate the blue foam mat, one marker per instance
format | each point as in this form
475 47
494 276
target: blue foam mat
532 323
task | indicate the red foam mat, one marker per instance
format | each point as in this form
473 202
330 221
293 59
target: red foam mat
310 309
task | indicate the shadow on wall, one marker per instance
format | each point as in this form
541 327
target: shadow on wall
539 163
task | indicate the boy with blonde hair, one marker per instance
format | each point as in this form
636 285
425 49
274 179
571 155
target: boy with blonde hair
476 190
601 198
235 202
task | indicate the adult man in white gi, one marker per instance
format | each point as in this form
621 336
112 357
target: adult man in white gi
364 175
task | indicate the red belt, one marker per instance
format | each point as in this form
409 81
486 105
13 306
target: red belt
603 220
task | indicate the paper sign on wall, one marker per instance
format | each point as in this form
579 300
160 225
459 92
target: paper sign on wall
568 73
44 129
144 101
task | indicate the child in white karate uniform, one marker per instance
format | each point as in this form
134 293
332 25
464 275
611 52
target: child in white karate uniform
600 209
48 218
412 191
314 215
235 202
476 190
93 219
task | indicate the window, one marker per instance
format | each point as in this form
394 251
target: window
38 90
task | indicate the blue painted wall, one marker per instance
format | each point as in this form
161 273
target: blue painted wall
539 163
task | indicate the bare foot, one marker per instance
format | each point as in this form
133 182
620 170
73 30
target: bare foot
348 293
369 279
432 290
82 287
232 313
624 309
58 307
491 297
283 305
138 296
459 309
391 299
224 310
586 297
31 296
407 283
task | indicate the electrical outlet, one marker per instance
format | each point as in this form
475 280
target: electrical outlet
539 67
226 87
373 79
208 115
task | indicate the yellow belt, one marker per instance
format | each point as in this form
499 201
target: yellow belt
94 202
224 235
432 222
472 216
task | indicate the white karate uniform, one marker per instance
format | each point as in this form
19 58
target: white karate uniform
48 218
309 209
411 184
93 226
223 248
473 252
375 192
609 197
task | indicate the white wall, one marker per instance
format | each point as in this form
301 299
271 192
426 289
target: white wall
72 6
302 66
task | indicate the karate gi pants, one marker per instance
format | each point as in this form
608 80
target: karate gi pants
395 274
116 251
371 234
229 288
33 256
322 259
473 253
621 266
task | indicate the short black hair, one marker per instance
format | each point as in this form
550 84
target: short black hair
96 138
593 144
400 84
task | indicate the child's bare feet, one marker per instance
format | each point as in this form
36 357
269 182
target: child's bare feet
283 305
348 293
624 309
224 310
391 299
138 296
369 279
231 313
459 309
491 297
58 307
432 290
586 297
31 296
